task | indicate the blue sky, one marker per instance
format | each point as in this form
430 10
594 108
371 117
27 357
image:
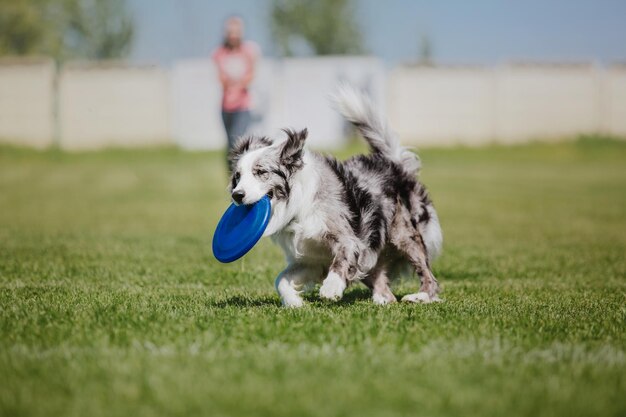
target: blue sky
462 32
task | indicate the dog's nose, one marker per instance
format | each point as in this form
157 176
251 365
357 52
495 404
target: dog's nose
238 196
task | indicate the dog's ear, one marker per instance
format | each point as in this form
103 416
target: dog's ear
291 152
243 145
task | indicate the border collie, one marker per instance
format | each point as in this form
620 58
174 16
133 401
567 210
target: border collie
342 222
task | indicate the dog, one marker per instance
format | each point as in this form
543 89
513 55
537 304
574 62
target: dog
342 222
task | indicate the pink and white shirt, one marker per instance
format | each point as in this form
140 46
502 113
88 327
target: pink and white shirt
237 66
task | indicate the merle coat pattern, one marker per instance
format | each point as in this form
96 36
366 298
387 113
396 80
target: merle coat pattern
341 222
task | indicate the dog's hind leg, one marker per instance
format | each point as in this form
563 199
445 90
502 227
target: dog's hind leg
292 281
378 281
407 239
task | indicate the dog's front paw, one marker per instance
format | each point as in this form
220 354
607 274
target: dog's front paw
293 301
332 287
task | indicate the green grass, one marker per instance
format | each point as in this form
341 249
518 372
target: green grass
111 302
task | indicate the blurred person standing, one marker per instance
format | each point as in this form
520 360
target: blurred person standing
236 61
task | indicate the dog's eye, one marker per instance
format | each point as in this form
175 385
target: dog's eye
261 173
236 179
237 176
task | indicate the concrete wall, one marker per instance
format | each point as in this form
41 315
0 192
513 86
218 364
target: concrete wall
101 105
440 106
614 101
430 106
26 102
287 93
113 105
196 98
303 89
546 102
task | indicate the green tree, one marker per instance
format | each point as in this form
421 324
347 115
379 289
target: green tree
21 27
99 29
62 29
327 26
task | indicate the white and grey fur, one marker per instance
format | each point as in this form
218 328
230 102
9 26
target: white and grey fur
342 222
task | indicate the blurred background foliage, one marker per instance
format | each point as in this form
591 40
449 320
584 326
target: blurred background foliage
324 27
65 29
104 29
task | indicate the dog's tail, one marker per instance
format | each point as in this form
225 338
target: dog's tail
358 109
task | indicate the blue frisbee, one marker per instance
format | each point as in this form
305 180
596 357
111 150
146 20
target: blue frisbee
240 228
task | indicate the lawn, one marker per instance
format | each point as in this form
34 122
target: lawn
112 304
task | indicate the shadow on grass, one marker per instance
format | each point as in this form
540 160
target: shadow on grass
356 294
352 296
246 302
241 301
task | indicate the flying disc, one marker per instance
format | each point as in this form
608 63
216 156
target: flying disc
239 229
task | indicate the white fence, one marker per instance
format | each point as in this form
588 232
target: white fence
101 105
507 104
302 89
546 102
196 120
442 106
27 102
291 93
613 102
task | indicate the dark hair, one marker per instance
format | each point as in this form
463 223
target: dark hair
225 43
